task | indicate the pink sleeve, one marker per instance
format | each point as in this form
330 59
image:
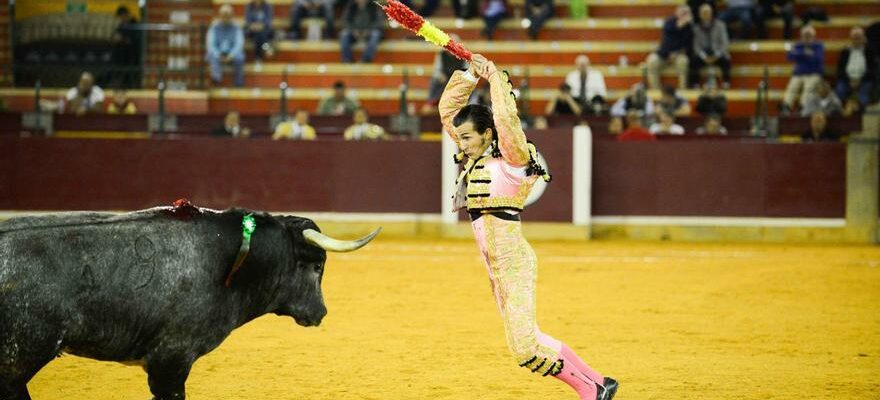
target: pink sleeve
454 98
511 138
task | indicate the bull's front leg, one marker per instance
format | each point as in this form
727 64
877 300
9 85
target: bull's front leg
167 376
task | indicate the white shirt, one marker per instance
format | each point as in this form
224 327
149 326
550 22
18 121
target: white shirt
857 64
674 129
96 96
595 84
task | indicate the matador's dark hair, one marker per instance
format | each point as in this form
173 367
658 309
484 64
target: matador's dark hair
481 117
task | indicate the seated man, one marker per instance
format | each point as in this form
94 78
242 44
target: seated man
562 103
258 24
742 11
225 44
711 101
712 126
339 103
85 97
587 86
362 129
673 104
823 100
362 20
856 69
675 44
711 47
818 131
774 8
494 11
308 8
665 125
537 13
296 129
808 56
121 104
636 100
232 127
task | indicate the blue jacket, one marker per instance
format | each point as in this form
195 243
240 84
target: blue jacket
263 14
225 39
807 64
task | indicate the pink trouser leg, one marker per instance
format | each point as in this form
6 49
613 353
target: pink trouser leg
581 366
583 386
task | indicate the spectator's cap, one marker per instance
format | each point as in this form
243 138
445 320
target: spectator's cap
338 85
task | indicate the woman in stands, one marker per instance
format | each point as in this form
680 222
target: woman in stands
500 171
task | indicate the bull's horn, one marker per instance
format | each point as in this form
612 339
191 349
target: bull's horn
340 246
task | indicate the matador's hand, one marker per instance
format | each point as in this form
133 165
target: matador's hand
483 66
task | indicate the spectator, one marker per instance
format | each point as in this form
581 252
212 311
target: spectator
310 8
694 5
856 69
615 125
774 8
636 100
818 131
540 123
232 127
823 100
711 101
121 104
677 41
362 129
127 51
712 126
742 11
494 11
339 103
258 24
85 97
673 104
444 65
635 132
666 125
362 20
587 85
464 9
225 44
296 129
808 56
562 103
711 47
537 13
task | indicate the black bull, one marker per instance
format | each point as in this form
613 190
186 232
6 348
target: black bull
148 287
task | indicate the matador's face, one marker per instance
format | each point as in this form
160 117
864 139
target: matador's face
471 142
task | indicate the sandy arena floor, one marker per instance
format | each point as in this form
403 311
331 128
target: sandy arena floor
416 320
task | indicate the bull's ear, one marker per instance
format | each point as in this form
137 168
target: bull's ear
328 243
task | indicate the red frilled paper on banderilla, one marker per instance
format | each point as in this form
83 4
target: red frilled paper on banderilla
401 14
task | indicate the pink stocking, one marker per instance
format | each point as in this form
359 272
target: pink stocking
584 387
571 357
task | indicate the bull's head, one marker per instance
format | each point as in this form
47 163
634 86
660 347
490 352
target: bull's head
305 301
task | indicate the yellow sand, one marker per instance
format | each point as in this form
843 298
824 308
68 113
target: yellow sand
416 320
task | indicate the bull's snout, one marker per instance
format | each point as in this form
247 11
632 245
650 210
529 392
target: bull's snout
312 317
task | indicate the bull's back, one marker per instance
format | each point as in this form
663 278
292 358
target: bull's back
104 273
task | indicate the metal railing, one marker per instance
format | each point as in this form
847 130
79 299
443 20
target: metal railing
56 50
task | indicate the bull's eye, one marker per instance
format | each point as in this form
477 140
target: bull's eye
319 268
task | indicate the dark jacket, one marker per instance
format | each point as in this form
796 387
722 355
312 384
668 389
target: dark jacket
870 61
675 39
367 18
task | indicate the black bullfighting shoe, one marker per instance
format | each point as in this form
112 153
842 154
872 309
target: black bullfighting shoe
607 390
